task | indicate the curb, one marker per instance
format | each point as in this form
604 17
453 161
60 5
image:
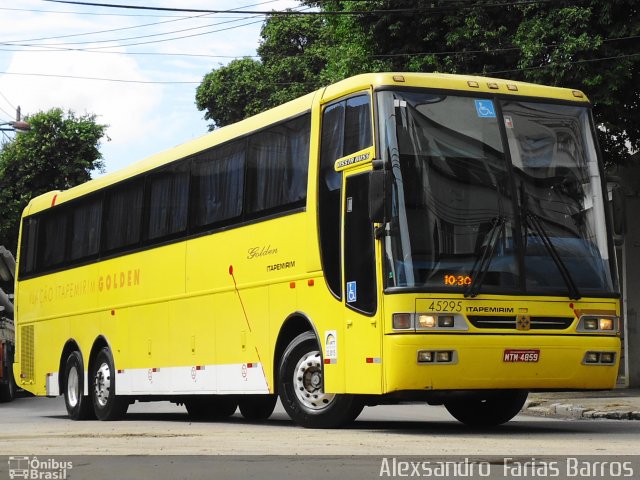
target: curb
568 410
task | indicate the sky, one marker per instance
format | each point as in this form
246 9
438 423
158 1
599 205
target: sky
157 57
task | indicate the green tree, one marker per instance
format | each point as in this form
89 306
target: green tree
588 45
582 44
231 93
58 152
292 52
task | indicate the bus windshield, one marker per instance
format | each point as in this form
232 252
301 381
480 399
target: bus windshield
469 216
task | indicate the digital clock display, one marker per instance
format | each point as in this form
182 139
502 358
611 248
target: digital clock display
457 280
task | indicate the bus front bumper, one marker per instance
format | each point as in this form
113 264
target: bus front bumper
488 361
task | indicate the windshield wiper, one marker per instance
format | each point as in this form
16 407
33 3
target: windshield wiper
481 266
533 221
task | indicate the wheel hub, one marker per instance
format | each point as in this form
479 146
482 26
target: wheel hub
102 384
308 383
72 387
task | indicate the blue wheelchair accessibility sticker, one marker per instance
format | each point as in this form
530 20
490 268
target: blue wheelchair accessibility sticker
485 109
351 292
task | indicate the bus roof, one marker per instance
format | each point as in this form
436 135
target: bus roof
483 85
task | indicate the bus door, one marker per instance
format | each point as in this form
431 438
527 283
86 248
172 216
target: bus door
346 240
363 325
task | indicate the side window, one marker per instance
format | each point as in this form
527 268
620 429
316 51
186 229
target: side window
167 202
52 239
346 128
123 216
359 247
85 236
277 166
329 194
28 246
217 185
357 124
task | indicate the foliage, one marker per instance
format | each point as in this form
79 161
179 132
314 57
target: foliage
58 152
581 44
233 92
292 51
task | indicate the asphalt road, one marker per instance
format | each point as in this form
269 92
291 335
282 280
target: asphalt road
39 426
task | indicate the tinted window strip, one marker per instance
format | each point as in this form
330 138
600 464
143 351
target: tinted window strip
105 194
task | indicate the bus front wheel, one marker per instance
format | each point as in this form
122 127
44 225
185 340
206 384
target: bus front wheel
106 404
78 405
302 388
488 409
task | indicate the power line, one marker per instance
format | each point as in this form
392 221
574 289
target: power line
7 100
143 36
490 50
102 14
33 10
180 19
97 32
6 113
33 48
291 12
298 83
150 35
74 77
181 37
562 64
84 50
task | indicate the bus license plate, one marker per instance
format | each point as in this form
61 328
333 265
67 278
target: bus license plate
530 356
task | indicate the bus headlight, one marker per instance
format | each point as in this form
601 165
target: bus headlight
426 321
599 358
446 321
598 324
437 356
425 356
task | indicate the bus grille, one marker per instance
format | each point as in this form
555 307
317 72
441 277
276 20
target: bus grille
509 322
27 354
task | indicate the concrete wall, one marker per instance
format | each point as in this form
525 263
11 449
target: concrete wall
630 271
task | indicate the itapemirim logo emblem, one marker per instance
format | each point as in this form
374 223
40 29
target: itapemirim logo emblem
523 322
34 469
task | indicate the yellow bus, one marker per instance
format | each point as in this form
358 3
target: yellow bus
392 237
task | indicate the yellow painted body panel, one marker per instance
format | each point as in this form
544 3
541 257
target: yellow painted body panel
480 364
222 299
480 351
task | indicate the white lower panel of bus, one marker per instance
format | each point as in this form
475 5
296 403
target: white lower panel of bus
204 379
197 379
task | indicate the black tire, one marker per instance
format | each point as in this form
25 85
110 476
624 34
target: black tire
106 404
78 405
211 407
8 389
489 409
301 388
257 407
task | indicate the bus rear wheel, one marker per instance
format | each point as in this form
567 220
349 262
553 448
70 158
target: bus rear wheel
78 405
487 409
106 404
257 407
211 407
301 388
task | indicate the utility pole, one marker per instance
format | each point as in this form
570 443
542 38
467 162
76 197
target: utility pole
17 126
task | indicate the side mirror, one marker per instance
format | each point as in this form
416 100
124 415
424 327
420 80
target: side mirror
618 208
377 196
